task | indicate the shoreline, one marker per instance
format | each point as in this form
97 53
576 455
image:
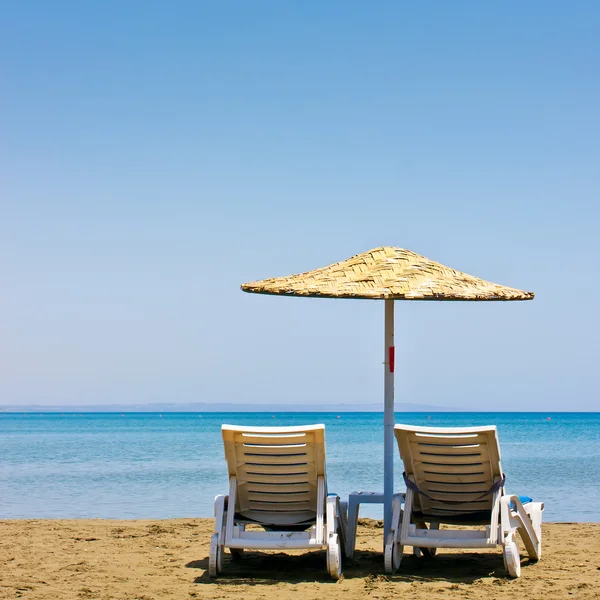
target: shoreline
155 559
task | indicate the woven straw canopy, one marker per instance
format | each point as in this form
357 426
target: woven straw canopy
387 273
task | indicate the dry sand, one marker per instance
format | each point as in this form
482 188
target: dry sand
148 560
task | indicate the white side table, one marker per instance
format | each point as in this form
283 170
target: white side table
354 501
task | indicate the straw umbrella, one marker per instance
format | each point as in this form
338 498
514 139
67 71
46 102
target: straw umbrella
387 274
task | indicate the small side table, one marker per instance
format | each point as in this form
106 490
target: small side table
354 501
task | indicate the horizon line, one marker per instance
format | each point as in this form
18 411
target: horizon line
266 412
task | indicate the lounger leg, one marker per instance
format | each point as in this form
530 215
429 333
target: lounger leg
237 553
343 525
535 510
353 508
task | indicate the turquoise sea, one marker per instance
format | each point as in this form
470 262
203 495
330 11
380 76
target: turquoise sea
152 466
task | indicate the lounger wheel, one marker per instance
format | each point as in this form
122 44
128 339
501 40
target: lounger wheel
431 552
426 552
334 557
512 560
236 554
215 557
392 555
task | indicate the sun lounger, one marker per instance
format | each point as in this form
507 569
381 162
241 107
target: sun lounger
454 477
277 480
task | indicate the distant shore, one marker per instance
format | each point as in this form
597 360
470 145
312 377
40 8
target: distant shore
217 407
281 409
152 560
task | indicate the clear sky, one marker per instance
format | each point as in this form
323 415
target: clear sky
156 155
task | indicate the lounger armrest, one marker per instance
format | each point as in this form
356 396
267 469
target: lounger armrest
221 502
524 518
514 505
332 510
511 507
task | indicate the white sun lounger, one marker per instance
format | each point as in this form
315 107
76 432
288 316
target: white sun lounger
454 477
277 480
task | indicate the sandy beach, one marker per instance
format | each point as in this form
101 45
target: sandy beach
148 560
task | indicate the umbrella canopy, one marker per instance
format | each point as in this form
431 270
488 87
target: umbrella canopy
388 274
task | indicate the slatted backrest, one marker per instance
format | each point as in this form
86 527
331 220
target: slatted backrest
454 466
276 469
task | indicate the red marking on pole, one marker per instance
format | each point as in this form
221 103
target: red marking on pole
392 357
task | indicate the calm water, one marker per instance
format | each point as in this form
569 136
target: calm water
144 465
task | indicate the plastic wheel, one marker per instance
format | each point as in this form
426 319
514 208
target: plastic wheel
431 552
334 557
512 560
213 557
236 554
424 552
392 555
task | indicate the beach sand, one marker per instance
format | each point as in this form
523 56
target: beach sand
148 560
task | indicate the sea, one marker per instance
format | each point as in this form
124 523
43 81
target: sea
171 465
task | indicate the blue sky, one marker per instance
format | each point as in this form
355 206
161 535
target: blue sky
154 157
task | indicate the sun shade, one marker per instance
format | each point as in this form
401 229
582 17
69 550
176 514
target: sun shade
387 273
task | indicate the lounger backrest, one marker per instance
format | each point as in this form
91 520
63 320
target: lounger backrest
276 469
455 467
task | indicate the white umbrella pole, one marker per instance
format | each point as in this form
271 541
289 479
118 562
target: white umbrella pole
388 418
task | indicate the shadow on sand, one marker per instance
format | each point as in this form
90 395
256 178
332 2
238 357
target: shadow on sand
261 568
